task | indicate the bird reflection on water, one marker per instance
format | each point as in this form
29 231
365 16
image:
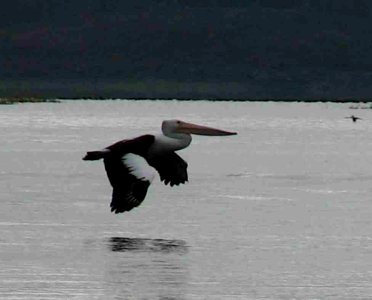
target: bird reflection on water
124 244
144 268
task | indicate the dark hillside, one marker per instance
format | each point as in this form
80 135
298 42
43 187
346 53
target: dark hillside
261 48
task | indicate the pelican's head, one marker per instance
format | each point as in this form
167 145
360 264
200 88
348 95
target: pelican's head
170 127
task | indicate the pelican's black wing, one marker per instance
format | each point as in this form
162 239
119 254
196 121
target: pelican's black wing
128 172
171 167
129 186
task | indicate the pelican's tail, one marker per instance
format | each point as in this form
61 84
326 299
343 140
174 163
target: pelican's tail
96 155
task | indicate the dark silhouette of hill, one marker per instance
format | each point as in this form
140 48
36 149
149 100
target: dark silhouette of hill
187 49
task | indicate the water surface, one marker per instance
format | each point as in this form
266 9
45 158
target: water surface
280 211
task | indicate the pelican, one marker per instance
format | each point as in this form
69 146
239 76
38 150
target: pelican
131 164
354 118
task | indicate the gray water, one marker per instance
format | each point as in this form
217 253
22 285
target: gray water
280 211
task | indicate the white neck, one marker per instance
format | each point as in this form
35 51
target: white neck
170 143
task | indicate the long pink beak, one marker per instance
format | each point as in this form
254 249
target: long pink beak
202 130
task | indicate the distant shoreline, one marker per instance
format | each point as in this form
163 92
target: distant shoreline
42 90
20 100
15 100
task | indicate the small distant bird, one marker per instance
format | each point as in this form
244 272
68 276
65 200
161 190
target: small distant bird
131 164
354 118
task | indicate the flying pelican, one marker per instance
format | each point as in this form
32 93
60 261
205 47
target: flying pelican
131 164
354 118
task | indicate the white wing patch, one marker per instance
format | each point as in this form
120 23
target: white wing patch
139 167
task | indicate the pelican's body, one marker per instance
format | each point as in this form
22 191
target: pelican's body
131 164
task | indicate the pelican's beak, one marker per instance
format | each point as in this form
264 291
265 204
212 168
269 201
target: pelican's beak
201 130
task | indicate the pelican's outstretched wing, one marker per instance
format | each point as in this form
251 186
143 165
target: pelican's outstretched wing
127 170
130 177
171 167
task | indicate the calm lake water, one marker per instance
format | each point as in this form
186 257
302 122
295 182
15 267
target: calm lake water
283 210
